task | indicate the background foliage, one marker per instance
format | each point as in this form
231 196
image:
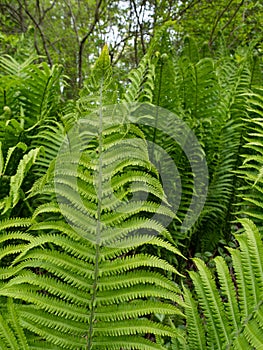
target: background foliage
73 32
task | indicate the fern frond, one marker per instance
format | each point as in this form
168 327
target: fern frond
24 165
141 83
224 155
232 307
209 299
195 330
11 332
251 170
77 272
49 137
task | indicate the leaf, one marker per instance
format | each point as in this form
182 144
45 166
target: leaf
23 167
10 151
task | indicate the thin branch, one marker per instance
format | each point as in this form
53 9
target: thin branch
230 19
40 32
35 44
188 7
217 21
68 3
233 16
45 11
136 48
83 41
123 41
139 24
38 10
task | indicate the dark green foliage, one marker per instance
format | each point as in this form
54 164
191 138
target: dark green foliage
209 94
30 97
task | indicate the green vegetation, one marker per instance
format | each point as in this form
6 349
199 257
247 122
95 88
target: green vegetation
99 250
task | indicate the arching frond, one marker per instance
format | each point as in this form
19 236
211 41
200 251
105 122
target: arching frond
230 301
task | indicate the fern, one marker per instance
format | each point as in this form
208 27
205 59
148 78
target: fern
77 270
30 132
92 265
50 138
231 302
224 155
34 89
11 199
208 94
251 170
11 333
83 296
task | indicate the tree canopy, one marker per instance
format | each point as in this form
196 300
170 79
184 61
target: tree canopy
73 32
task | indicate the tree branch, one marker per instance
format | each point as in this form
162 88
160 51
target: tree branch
234 15
139 25
83 41
45 11
188 7
40 31
73 21
230 19
217 21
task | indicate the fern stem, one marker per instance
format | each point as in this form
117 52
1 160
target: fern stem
98 177
157 110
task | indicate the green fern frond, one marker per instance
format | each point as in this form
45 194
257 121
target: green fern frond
190 49
251 170
11 67
11 332
23 167
15 222
195 330
99 87
35 90
77 272
209 299
223 157
16 181
231 307
231 302
49 137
